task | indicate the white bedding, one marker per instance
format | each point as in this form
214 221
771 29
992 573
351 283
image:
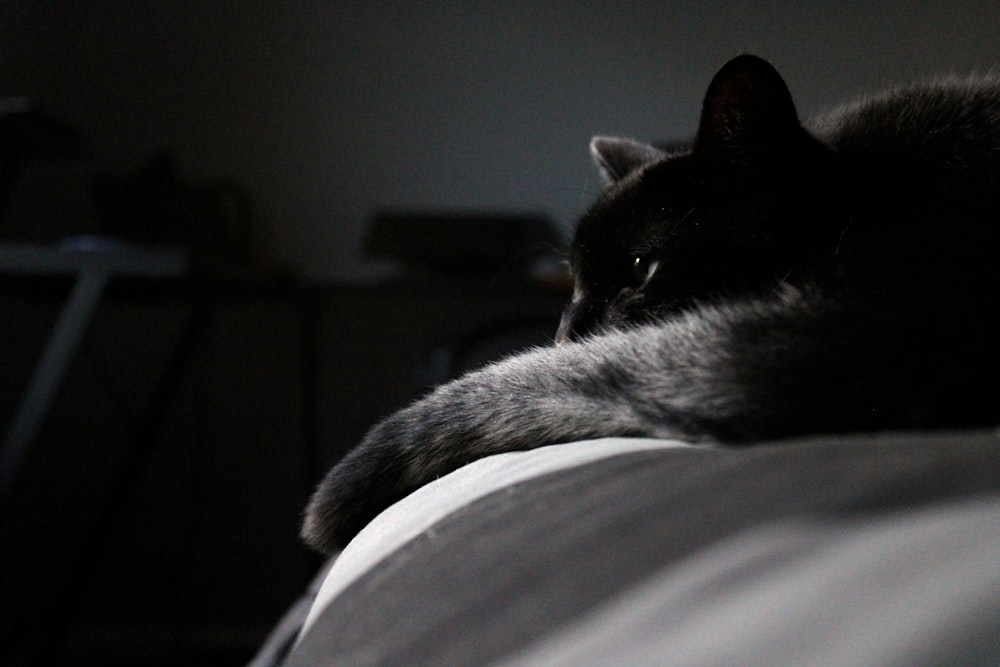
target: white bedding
863 550
917 588
423 508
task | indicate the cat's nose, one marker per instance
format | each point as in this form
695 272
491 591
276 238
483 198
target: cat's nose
565 330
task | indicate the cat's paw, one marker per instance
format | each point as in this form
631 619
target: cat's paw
484 412
366 481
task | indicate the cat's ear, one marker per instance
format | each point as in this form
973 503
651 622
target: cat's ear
616 158
747 108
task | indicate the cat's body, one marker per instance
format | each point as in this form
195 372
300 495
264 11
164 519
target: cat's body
768 282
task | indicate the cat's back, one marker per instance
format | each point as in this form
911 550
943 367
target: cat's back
944 125
922 164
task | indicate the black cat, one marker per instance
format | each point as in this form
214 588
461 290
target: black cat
772 280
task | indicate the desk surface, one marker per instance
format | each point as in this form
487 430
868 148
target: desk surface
95 254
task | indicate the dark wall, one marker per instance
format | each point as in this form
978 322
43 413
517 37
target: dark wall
325 111
154 519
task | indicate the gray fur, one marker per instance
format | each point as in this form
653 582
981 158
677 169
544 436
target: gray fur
616 157
849 287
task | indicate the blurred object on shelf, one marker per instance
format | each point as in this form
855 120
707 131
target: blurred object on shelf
469 243
28 134
155 206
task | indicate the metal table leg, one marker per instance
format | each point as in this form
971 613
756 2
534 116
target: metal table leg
50 371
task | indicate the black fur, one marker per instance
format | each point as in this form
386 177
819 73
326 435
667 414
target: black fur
770 281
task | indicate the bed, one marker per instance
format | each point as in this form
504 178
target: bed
876 549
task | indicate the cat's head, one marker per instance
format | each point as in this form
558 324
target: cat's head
747 205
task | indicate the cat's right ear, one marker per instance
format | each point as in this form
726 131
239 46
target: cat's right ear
616 158
747 108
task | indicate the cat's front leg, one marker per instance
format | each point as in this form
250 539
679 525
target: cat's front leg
546 396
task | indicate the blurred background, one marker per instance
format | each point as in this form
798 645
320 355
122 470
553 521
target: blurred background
257 228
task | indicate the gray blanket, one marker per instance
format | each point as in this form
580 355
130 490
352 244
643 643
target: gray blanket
868 550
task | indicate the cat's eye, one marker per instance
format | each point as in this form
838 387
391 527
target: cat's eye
643 269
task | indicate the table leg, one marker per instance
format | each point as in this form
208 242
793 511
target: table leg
50 371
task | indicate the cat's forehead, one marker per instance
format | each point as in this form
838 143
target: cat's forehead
609 223
631 207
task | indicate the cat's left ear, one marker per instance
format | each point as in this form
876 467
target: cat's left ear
747 108
616 158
